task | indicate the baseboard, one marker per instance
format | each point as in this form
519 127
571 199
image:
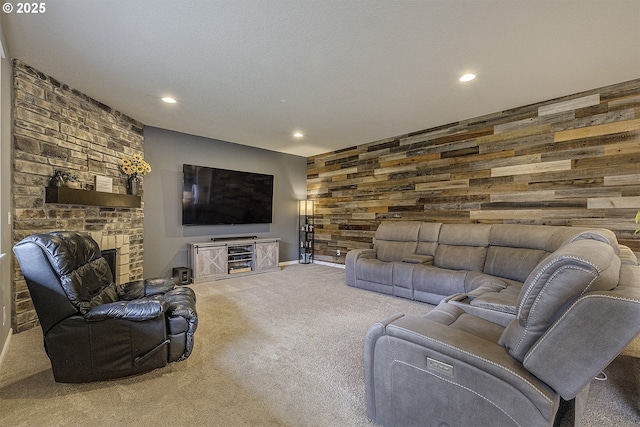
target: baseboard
330 264
5 348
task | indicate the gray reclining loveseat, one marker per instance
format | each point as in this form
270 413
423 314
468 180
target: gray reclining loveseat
557 305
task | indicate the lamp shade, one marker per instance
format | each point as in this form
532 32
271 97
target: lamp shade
305 207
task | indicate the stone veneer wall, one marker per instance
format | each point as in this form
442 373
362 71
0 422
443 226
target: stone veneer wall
570 161
57 127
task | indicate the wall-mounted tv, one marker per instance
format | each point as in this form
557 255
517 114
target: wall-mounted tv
213 196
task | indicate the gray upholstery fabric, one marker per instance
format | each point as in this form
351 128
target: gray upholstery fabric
548 309
394 241
487 387
403 279
507 252
574 269
512 263
351 260
438 280
588 336
460 257
465 235
428 238
505 300
374 270
462 246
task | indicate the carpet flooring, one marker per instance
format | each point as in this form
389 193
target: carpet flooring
274 349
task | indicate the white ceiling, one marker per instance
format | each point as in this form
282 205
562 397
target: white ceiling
350 71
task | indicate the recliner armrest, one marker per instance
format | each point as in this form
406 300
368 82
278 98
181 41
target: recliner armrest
158 285
136 310
144 288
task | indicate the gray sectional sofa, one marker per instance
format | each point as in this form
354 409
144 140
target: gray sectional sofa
428 262
526 315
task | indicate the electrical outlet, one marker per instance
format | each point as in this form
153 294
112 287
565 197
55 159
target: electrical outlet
338 252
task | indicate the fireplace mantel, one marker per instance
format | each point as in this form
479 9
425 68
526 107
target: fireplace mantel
71 196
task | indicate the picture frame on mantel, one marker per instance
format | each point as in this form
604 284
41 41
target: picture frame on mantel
104 184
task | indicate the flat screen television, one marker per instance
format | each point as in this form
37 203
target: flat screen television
213 196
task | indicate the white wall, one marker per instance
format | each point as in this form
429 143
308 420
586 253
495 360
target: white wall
5 197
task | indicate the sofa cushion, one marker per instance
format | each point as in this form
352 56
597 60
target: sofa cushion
428 238
460 257
373 270
574 269
396 240
462 246
438 281
512 263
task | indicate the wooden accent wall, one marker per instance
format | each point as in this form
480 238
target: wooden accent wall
569 161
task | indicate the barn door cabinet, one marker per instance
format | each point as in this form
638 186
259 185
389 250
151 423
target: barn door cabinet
232 258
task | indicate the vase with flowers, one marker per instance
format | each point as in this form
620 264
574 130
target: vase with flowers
134 167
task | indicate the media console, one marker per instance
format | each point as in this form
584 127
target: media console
223 259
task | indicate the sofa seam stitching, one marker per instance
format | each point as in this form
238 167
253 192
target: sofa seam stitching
566 313
459 385
477 357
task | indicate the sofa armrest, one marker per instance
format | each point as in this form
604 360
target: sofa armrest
144 288
137 310
410 340
351 260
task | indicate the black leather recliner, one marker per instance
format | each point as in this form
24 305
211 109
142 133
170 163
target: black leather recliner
93 328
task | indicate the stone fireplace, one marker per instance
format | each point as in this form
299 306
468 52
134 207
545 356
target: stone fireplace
119 244
56 127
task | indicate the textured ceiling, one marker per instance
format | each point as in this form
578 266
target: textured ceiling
350 71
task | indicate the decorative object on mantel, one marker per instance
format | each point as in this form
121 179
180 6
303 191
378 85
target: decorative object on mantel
57 180
104 184
134 167
71 179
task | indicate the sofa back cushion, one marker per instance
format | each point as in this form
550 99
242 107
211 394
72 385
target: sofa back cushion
512 263
428 238
576 268
462 246
395 240
79 266
516 249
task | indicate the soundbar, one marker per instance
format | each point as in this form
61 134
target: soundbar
221 239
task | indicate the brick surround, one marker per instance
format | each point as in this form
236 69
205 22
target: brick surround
58 127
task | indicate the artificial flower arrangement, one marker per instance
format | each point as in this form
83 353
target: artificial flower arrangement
134 166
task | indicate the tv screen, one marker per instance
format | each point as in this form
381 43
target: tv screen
213 196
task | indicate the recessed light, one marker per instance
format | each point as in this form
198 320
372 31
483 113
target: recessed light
298 135
169 100
467 77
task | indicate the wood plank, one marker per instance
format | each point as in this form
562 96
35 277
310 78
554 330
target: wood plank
614 203
441 185
571 104
618 180
599 130
554 166
504 214
529 196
